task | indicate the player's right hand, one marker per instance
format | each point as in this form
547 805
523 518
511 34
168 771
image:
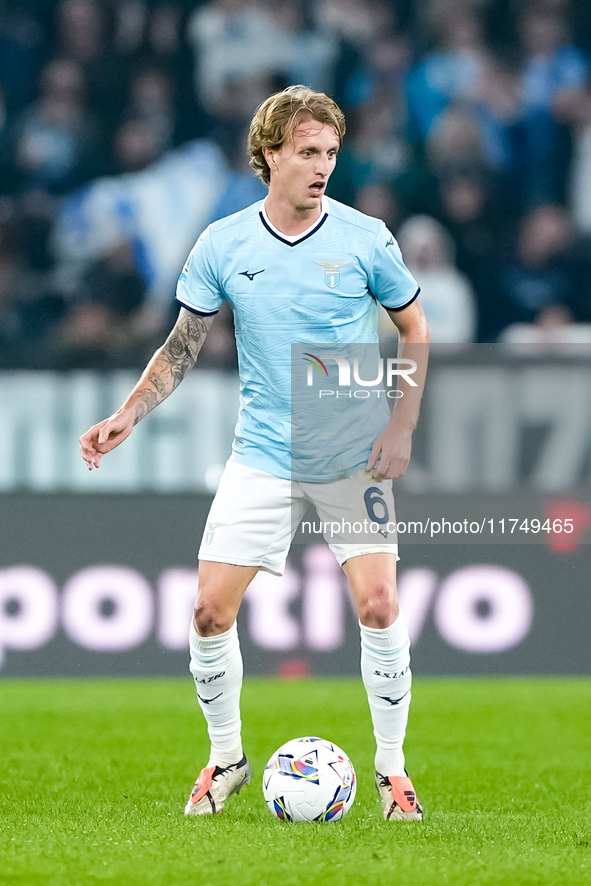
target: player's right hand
104 437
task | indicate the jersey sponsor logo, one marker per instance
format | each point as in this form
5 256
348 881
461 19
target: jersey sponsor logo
390 241
332 276
251 274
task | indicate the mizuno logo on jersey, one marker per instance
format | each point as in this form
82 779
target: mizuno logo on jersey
332 276
251 274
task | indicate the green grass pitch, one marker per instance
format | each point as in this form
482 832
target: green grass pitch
94 776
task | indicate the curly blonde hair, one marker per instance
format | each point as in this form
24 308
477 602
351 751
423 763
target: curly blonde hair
280 114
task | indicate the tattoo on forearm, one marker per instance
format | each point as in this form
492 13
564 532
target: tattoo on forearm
170 364
146 402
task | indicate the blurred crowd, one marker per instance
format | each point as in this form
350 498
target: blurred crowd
122 134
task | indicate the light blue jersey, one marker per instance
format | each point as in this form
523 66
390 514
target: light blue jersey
322 287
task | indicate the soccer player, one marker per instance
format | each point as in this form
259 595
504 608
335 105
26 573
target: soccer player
296 267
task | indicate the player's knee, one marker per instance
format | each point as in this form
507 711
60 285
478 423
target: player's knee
210 619
380 607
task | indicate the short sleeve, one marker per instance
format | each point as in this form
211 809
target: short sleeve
389 279
198 289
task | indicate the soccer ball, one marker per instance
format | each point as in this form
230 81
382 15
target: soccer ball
309 779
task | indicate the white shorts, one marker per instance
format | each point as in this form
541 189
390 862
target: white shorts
255 515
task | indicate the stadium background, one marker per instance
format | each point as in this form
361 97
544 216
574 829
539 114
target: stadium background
122 129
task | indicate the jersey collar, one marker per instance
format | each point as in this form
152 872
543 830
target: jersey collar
298 238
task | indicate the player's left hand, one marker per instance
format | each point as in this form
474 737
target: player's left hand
390 454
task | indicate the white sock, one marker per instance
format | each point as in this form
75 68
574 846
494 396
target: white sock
216 666
385 669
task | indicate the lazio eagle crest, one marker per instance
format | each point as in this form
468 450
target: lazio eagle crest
332 276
